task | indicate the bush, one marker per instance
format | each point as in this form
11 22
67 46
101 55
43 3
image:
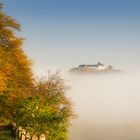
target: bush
48 112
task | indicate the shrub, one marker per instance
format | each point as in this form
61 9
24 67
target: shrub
48 112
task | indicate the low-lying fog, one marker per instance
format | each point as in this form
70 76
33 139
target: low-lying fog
108 107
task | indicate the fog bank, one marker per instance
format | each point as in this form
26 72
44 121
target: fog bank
108 107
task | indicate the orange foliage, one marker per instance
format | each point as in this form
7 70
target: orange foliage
16 78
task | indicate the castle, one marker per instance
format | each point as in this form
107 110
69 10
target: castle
96 67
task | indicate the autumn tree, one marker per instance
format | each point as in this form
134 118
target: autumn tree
15 73
48 112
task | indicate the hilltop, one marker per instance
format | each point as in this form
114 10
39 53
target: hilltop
96 68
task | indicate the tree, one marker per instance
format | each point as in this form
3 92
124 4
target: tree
16 78
48 112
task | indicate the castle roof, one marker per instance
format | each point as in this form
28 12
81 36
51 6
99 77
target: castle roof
84 65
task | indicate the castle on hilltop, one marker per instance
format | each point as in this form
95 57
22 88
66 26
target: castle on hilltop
98 66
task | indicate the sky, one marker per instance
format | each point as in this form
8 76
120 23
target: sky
60 34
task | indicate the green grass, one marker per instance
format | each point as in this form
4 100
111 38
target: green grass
5 130
5 135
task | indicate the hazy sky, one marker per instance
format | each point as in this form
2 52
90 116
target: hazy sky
65 33
61 34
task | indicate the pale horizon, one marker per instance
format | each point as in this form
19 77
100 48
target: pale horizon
69 33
